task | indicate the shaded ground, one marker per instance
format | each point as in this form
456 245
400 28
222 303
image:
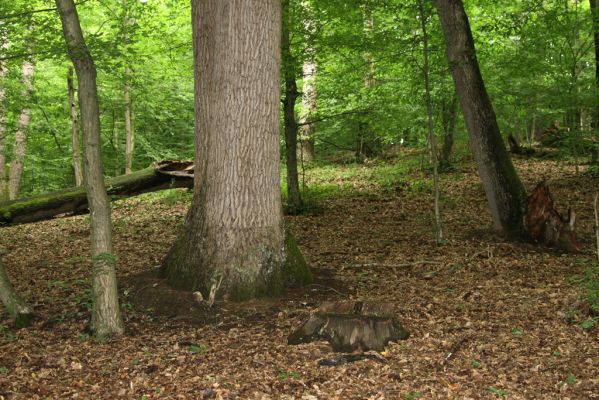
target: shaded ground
488 317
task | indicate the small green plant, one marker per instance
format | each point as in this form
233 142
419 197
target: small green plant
589 323
557 353
135 361
517 332
497 392
286 375
475 363
198 348
7 333
3 370
412 396
570 380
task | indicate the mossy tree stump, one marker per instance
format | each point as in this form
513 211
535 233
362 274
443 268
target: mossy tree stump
351 325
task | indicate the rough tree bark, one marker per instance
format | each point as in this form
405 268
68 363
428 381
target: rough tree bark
595 119
233 240
449 113
106 315
294 198
504 191
20 146
75 136
3 120
21 313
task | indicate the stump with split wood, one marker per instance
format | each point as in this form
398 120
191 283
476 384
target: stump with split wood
351 325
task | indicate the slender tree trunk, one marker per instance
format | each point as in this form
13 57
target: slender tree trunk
20 146
106 314
233 240
294 199
505 193
75 136
3 120
21 313
449 115
432 139
129 134
308 111
595 112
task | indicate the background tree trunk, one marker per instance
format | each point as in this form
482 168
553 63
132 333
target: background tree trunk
106 314
20 146
449 115
505 193
129 134
595 112
21 313
233 238
3 120
75 136
294 198
308 111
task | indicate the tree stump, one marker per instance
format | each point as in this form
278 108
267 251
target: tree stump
351 325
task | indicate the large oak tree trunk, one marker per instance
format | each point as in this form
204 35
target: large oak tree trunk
505 193
75 136
106 314
233 240
20 146
294 198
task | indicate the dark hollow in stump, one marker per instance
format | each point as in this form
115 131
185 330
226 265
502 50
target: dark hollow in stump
544 224
351 325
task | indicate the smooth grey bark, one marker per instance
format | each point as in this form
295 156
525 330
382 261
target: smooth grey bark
20 145
75 131
504 191
294 198
21 313
129 133
233 240
106 315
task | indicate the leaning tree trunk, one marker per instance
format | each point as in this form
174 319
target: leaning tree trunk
294 198
75 137
233 240
3 120
20 146
505 193
106 314
595 119
21 313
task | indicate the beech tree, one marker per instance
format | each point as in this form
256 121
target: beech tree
233 243
504 191
106 315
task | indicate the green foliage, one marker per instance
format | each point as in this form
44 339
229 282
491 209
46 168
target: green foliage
497 392
286 375
197 348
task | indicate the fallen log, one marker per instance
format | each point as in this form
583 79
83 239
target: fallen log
163 175
351 325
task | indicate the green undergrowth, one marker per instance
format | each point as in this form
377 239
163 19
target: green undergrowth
589 283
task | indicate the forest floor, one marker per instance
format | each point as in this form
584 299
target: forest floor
488 317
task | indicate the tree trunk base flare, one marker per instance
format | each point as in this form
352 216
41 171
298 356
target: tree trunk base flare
351 325
544 224
248 270
163 175
21 313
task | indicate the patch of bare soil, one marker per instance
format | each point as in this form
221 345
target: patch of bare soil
488 317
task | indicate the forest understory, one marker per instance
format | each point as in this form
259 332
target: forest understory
488 317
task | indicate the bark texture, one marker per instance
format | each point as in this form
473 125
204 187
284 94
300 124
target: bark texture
449 113
20 146
233 239
129 135
166 175
294 198
21 313
504 191
106 315
595 119
75 136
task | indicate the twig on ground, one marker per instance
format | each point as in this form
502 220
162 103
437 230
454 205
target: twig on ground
454 349
410 264
327 287
596 221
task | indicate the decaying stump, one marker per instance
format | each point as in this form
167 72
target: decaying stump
351 325
515 147
545 224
